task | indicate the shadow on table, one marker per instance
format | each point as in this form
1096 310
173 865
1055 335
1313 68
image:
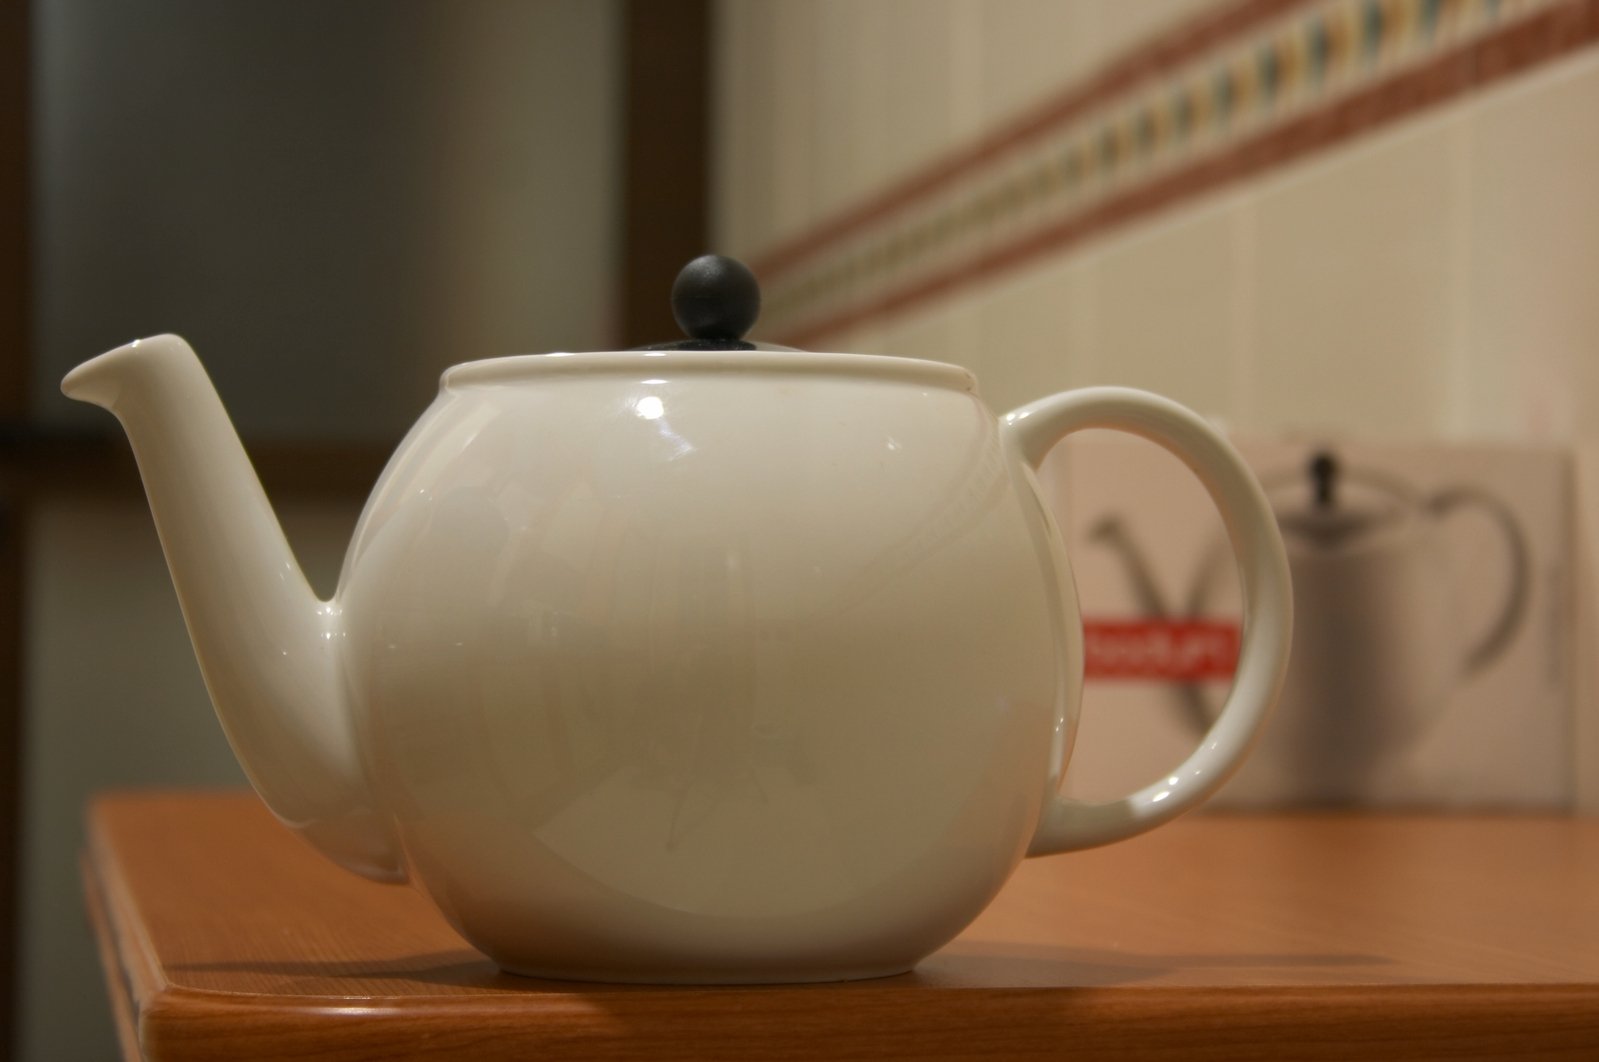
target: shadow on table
962 964
973 963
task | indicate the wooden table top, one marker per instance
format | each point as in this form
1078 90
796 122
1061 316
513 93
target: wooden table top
1217 937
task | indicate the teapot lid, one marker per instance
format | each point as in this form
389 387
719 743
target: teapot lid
715 300
1328 508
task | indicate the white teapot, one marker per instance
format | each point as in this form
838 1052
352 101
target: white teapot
704 663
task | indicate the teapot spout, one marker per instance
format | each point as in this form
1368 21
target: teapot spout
268 648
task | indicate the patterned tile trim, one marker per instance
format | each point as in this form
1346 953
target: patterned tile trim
1256 85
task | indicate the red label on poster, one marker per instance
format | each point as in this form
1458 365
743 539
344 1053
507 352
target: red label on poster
1161 650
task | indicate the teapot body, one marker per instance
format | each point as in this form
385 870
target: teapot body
694 663
666 669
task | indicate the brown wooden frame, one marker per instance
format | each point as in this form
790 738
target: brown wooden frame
15 348
665 158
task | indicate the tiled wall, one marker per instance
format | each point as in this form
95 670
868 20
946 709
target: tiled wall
821 101
1430 275
1427 268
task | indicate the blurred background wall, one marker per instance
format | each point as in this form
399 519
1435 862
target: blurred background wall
1359 215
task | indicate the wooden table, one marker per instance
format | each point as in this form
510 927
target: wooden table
1219 937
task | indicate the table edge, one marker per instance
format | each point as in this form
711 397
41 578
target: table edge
861 1020
1382 1022
123 1008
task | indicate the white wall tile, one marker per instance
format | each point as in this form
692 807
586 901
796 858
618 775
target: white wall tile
948 330
1035 329
764 142
843 118
1532 353
795 116
873 337
1030 50
888 86
1123 24
1167 308
1355 271
1533 309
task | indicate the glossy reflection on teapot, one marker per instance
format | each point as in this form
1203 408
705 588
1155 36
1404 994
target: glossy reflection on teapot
701 663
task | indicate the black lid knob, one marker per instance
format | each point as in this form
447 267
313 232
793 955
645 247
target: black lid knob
716 300
1324 479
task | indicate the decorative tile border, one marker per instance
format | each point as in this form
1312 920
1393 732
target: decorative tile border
1247 88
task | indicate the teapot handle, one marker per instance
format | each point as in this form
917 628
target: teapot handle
1507 622
1032 430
